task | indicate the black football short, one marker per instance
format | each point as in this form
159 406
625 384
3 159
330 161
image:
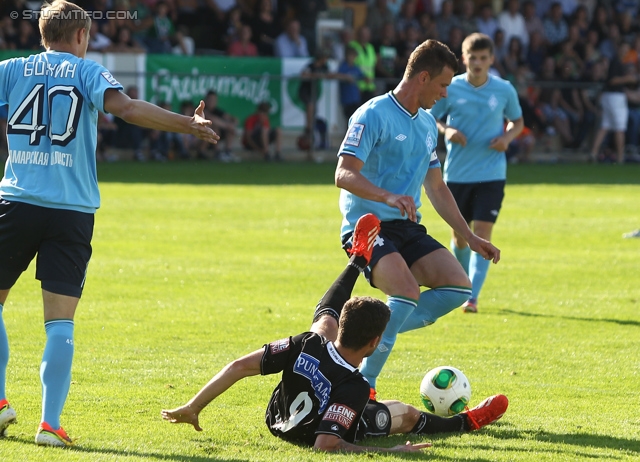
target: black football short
479 201
405 237
375 421
61 239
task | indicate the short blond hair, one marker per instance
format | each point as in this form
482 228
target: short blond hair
477 42
60 20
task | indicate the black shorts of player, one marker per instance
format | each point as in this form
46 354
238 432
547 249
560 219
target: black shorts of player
405 237
479 201
60 238
375 421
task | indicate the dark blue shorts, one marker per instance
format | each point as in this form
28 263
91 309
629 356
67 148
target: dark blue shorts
479 201
60 238
405 237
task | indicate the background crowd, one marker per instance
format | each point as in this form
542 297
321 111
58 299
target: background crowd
560 55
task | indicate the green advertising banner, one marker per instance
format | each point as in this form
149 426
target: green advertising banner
241 83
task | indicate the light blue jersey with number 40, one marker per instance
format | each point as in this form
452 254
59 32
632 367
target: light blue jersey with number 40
53 99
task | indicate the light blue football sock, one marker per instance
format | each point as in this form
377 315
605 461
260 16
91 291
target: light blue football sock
400 308
4 356
478 268
462 255
55 370
434 304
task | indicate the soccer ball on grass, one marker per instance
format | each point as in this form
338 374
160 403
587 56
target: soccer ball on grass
445 391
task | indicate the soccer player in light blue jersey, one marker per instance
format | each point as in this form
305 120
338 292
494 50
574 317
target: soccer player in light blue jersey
476 166
387 155
49 192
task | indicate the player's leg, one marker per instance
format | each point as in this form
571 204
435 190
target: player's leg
20 226
392 276
488 199
450 287
61 267
327 314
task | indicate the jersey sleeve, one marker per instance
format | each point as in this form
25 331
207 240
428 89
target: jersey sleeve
512 110
362 135
98 80
344 410
276 354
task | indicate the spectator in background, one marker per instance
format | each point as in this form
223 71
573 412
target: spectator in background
468 22
513 24
581 19
556 29
406 19
555 118
258 134
378 14
26 38
428 27
107 134
512 60
308 92
366 60
609 45
290 44
628 27
615 111
167 145
265 28
97 40
601 21
124 43
387 57
499 52
570 102
536 53
162 32
350 97
242 45
456 36
190 142
446 20
487 23
225 125
233 25
532 21
307 14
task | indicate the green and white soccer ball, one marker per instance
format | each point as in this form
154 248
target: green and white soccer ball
445 391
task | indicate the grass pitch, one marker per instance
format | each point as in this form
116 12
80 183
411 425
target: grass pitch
196 264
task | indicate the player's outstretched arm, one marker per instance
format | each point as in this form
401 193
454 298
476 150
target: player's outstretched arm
332 443
144 114
234 371
348 177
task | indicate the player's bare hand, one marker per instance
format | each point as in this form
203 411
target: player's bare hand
184 414
200 126
485 248
408 447
405 204
499 144
455 136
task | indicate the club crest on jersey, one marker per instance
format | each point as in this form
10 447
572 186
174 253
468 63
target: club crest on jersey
309 367
279 346
111 79
354 135
341 414
493 102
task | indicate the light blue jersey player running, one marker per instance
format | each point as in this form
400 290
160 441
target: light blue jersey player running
476 166
385 158
49 192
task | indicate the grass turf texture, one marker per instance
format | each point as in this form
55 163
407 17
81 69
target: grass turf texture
197 264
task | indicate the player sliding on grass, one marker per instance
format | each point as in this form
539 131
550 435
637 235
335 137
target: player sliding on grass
322 399
49 193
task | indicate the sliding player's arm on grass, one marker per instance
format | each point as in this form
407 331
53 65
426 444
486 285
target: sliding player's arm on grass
233 372
443 202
